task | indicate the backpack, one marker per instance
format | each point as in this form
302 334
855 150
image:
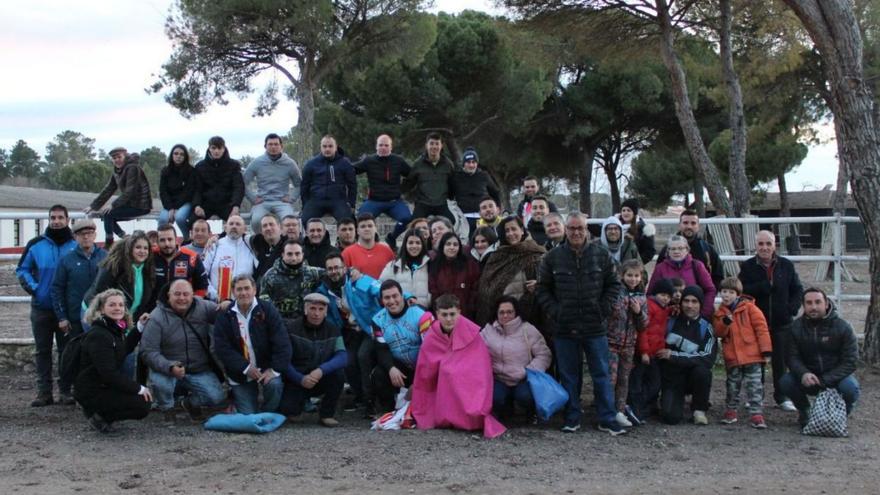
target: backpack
69 364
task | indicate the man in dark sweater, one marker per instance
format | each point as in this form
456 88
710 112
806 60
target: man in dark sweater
431 178
385 171
470 184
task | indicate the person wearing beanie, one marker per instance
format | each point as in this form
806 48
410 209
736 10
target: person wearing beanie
686 361
470 184
644 381
635 228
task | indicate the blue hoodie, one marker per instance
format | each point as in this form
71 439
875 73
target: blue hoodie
36 267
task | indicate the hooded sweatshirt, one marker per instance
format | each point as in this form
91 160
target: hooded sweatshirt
623 249
274 176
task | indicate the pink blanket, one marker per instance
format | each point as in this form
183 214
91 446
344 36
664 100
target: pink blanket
452 387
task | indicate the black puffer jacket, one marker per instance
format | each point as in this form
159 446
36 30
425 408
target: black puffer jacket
175 185
578 291
218 183
103 352
777 291
384 175
826 347
470 189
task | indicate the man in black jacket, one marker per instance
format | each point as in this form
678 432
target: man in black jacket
385 171
219 185
577 287
822 353
316 245
470 184
431 178
774 283
700 249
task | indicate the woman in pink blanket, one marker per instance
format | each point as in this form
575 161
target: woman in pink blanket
452 387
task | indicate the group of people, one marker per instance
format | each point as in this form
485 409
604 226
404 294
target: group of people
282 315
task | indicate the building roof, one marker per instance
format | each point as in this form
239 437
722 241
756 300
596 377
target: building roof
30 198
799 200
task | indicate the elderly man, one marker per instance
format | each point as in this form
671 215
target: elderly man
176 346
774 283
251 342
286 284
228 258
274 172
554 227
385 171
329 184
317 363
700 249
822 353
577 287
199 235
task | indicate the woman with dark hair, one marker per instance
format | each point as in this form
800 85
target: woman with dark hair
129 268
512 270
635 228
454 272
484 243
514 345
410 269
175 189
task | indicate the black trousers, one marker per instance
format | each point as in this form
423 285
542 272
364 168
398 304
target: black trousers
779 339
644 387
678 382
352 339
112 405
294 397
384 390
222 211
366 357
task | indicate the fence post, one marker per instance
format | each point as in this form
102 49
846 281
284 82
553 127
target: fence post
837 253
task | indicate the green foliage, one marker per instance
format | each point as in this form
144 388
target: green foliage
69 147
4 159
87 176
659 174
152 160
23 161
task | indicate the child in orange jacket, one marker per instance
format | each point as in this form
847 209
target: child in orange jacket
745 341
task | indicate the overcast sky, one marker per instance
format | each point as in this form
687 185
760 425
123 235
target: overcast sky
84 65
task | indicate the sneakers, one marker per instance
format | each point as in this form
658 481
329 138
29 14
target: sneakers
787 406
757 421
328 422
700 418
622 420
613 428
571 428
631 416
729 417
43 400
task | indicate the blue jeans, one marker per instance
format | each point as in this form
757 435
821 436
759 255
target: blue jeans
181 217
279 208
570 365
848 387
520 393
317 208
246 396
205 389
396 209
120 214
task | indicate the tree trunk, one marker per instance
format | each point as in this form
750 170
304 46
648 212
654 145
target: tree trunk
784 204
585 176
685 113
614 189
740 193
839 201
304 140
832 26
699 203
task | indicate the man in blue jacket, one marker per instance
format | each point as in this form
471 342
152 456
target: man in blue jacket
36 269
328 183
76 272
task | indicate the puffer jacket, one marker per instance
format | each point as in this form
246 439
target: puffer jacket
432 183
826 347
75 274
470 189
102 353
578 290
218 183
170 338
653 338
412 279
131 182
777 290
623 325
746 340
285 287
176 185
329 178
693 273
384 175
513 348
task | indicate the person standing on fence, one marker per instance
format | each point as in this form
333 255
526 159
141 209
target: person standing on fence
134 199
774 283
274 172
700 249
36 270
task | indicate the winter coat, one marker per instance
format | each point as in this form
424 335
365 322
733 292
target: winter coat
38 262
693 273
644 240
578 290
470 189
131 182
225 259
274 177
747 339
338 312
624 249
412 279
286 286
623 325
653 337
777 290
463 283
329 178
268 337
432 183
312 348
513 348
692 342
826 347
218 183
505 274
176 185
384 176
103 352
107 280
315 254
170 338
702 250
75 274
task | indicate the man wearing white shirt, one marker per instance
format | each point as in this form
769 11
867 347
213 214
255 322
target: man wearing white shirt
227 258
252 343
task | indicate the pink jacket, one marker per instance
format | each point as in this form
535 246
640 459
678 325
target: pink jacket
693 272
513 348
453 383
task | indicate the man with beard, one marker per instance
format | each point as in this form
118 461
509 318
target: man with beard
317 243
172 263
267 245
530 190
288 281
488 214
700 249
346 233
540 208
227 258
219 186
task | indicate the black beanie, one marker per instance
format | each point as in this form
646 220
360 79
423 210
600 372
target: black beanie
693 290
470 154
632 204
663 286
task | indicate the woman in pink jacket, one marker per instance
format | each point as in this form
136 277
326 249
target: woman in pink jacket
514 345
679 263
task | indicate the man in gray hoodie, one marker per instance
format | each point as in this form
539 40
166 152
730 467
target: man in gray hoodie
274 172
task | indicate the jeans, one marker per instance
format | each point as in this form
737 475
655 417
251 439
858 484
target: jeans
295 395
246 396
205 389
503 396
44 325
570 366
316 208
221 211
181 217
279 208
120 214
396 209
848 387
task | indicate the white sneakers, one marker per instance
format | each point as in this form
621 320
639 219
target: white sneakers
622 420
788 406
700 418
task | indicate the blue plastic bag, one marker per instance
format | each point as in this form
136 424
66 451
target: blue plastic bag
245 423
549 395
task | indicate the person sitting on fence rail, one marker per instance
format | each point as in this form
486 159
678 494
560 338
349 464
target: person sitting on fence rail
218 187
134 199
274 173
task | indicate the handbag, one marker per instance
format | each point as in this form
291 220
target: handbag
827 416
